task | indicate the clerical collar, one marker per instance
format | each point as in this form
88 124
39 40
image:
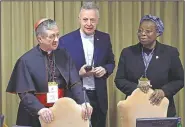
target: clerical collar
86 36
46 53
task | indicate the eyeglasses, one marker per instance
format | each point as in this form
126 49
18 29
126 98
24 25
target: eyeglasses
145 31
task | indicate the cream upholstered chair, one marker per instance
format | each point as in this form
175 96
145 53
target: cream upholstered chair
67 113
138 106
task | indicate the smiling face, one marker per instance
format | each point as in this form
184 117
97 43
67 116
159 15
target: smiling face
88 20
49 40
147 33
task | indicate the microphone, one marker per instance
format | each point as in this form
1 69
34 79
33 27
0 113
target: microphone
85 101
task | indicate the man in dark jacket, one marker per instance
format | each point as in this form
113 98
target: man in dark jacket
42 75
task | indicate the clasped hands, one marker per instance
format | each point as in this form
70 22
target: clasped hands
97 71
47 115
156 96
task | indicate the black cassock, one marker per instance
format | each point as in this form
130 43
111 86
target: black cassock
29 77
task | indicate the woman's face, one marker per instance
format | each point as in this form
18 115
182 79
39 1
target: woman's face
147 33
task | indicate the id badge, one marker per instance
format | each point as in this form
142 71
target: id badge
143 80
52 95
52 87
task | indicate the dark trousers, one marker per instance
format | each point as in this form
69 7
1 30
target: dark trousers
98 118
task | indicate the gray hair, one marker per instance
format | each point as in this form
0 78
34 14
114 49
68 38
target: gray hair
45 25
90 6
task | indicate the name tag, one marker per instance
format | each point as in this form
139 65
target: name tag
52 95
144 81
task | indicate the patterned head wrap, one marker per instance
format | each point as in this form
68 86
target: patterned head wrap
156 20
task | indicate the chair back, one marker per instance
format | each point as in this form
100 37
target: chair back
67 113
138 106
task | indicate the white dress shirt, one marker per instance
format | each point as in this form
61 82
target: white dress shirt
88 47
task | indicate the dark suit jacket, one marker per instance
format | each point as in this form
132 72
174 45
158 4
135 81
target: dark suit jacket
30 76
103 56
164 72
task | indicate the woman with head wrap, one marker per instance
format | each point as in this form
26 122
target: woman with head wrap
150 60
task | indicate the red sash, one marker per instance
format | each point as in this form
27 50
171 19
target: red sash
43 98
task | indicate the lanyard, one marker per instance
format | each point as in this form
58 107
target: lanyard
147 60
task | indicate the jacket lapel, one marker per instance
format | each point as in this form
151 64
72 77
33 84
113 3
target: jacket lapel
79 46
155 58
97 43
139 59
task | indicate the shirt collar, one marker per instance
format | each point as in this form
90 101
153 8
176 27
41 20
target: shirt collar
83 35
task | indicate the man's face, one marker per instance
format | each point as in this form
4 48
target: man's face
49 41
88 20
147 33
